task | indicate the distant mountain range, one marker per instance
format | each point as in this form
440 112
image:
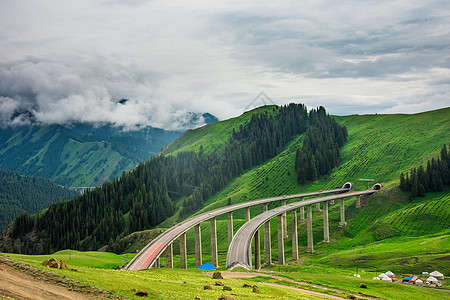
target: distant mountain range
81 154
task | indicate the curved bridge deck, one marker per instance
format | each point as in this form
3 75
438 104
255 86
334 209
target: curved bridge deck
239 251
147 257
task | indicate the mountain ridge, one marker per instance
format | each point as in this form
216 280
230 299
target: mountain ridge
83 154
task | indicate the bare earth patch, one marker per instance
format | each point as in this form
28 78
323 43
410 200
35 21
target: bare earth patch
22 281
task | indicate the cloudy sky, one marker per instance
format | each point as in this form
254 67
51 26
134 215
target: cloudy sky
64 61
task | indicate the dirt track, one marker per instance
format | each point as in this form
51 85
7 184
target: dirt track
18 285
239 275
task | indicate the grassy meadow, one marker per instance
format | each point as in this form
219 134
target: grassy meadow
95 269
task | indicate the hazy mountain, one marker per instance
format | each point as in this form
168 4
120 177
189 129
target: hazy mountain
84 154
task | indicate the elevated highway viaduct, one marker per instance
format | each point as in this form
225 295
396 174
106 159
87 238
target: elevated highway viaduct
239 251
149 256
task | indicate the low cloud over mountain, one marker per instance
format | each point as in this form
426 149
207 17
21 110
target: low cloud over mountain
64 62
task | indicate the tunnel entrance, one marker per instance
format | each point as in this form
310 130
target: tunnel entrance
377 187
347 185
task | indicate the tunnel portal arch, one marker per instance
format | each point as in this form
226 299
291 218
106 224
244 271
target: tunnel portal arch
377 187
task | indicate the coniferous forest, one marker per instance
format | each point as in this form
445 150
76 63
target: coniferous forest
20 193
320 151
432 179
144 197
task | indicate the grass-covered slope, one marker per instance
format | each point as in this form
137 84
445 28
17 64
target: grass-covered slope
95 269
383 146
213 136
378 147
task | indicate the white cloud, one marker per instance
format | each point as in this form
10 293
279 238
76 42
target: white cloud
68 61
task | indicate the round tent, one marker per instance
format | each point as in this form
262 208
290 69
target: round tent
432 280
419 282
437 275
389 273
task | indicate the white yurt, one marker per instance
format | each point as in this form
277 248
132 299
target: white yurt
437 275
432 280
382 275
376 278
389 273
386 279
419 282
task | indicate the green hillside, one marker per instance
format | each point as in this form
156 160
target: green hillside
212 136
379 147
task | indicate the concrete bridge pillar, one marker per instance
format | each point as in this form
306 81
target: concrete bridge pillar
326 227
230 227
247 214
294 235
283 203
318 206
302 212
198 245
342 222
267 238
280 240
169 256
358 202
309 228
257 250
156 265
214 256
183 251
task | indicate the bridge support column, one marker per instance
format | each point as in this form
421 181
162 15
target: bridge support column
198 245
294 235
280 240
169 256
267 238
257 250
318 206
309 228
326 227
302 212
247 214
230 227
342 222
156 265
214 257
183 251
283 203
358 202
